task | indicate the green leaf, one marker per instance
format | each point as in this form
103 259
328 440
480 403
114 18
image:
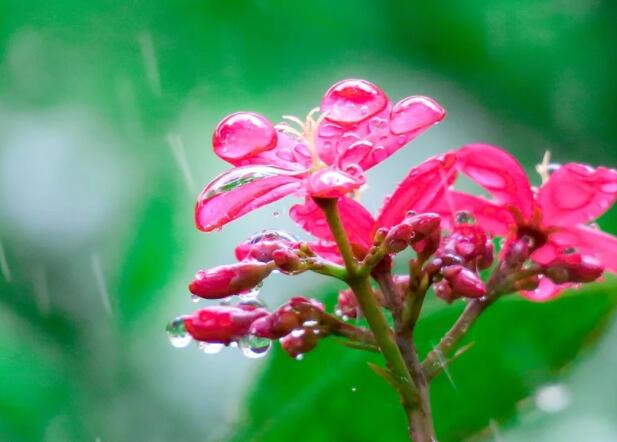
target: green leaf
518 345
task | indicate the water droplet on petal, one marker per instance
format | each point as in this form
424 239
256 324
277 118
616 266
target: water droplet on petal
351 101
377 124
210 348
464 217
328 130
380 153
402 139
415 113
242 135
355 153
240 176
255 347
176 331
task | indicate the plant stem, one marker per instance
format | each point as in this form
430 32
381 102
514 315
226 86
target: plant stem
361 287
434 360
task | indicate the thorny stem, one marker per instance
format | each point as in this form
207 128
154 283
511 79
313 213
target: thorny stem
377 322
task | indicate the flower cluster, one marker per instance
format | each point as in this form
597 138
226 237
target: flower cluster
519 239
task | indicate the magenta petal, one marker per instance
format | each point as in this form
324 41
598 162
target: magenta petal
333 183
546 291
413 114
493 218
589 241
423 187
357 221
289 153
499 173
576 193
327 250
352 101
241 190
243 135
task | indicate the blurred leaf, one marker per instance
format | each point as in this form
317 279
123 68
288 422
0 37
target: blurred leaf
332 394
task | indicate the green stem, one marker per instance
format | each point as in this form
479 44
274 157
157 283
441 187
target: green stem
361 287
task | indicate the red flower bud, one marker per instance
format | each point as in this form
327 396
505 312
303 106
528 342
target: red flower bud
222 324
300 341
516 252
574 268
287 260
222 281
464 282
443 290
424 224
427 246
347 305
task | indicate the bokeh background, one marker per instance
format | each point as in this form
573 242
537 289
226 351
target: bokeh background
106 114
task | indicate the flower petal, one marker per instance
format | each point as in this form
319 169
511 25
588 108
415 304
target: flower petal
241 190
546 291
589 241
499 173
423 188
289 153
357 221
378 133
576 193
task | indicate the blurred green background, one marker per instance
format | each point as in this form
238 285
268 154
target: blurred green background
106 114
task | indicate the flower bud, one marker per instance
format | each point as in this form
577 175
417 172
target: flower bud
427 246
347 305
574 268
398 238
222 324
464 282
288 317
424 224
443 290
287 260
516 252
527 284
222 281
299 341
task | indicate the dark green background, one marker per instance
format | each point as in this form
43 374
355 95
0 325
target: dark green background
91 94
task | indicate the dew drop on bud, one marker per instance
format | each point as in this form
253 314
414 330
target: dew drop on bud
210 348
254 347
176 331
251 294
271 235
310 323
299 357
195 298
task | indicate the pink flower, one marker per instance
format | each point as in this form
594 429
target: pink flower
418 192
556 216
358 128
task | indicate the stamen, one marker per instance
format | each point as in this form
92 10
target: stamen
296 120
543 168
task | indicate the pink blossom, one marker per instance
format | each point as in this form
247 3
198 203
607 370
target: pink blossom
418 192
556 216
325 157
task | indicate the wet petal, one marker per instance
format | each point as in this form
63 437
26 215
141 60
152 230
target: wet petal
333 183
589 241
241 190
546 291
352 101
576 193
243 135
499 173
289 153
423 187
357 221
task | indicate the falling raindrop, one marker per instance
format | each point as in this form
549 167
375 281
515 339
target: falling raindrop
254 347
148 55
177 148
276 214
210 348
101 285
354 389
176 331
4 265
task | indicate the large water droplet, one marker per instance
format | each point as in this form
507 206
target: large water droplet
271 235
355 153
351 101
242 135
255 347
210 348
328 130
414 113
240 176
176 331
